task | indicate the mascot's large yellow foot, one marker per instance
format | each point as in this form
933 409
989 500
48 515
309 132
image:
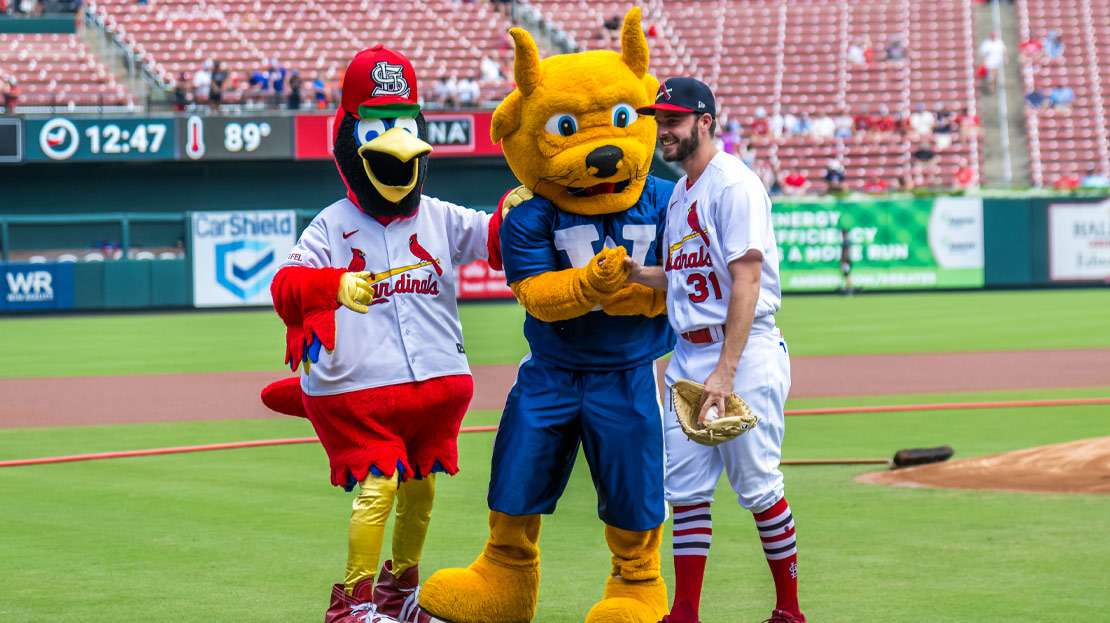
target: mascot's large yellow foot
634 593
627 601
501 586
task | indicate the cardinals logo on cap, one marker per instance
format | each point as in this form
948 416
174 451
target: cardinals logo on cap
389 79
664 92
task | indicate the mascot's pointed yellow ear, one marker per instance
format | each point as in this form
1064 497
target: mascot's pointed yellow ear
634 48
526 66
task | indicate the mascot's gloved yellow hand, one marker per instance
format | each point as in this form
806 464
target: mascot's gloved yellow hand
355 292
516 196
563 294
634 299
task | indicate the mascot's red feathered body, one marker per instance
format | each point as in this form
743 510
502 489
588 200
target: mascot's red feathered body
368 299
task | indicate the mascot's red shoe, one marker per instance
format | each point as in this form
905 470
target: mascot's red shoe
396 596
357 608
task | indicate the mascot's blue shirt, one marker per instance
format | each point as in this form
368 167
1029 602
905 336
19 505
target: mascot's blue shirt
537 237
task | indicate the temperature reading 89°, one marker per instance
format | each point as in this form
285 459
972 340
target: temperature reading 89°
246 136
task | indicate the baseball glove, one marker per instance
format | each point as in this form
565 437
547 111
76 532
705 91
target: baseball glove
737 420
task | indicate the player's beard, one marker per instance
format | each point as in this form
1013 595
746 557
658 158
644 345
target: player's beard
686 146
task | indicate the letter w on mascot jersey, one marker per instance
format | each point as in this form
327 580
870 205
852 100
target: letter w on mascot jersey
368 299
570 132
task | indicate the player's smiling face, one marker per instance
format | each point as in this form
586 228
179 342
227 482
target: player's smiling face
677 133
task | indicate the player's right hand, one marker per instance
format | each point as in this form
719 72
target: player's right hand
355 293
607 270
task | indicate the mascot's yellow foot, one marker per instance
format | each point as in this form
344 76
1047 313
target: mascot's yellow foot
501 586
626 601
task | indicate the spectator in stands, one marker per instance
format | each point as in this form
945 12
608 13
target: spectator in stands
944 128
795 183
805 125
746 153
78 14
1037 98
761 127
294 100
216 88
965 175
896 50
320 93
834 175
884 123
1032 48
504 7
469 93
992 52
447 91
1094 179
778 123
875 185
769 174
824 127
790 124
843 124
856 54
921 123
1068 181
969 125
924 161
861 123
491 71
202 82
1053 47
277 83
731 140
611 28
180 94
1061 97
11 96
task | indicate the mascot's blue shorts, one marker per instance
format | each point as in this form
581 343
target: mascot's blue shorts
617 418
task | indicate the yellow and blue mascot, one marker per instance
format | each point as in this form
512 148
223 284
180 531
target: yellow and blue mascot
571 133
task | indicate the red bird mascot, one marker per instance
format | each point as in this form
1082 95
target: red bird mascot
371 314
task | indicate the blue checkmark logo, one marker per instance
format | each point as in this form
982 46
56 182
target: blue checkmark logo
247 281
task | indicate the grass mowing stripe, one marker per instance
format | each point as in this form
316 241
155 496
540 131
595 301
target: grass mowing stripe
261 536
77 345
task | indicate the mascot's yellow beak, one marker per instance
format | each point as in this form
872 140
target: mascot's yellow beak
394 153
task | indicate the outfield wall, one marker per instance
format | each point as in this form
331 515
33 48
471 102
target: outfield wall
227 258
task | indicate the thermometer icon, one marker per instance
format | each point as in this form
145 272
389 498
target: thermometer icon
194 139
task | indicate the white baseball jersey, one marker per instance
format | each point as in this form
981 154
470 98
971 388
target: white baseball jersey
412 330
732 213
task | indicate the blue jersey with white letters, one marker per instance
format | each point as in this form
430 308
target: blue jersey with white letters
538 237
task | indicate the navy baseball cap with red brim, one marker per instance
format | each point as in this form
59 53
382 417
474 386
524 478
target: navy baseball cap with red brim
683 95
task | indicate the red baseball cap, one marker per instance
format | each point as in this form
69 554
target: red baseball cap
380 83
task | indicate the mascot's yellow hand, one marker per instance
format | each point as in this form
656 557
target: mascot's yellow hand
607 271
634 299
354 292
516 196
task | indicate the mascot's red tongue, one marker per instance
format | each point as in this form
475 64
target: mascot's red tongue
601 189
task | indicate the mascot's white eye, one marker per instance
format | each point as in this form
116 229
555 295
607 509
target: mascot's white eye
407 123
624 115
563 124
369 129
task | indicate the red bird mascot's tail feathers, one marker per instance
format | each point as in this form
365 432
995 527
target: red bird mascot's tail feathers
284 396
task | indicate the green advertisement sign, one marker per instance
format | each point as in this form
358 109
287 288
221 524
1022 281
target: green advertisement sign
895 244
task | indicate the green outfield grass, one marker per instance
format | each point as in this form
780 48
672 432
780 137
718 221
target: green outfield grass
259 535
814 325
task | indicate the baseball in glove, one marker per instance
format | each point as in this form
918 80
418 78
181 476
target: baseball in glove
737 420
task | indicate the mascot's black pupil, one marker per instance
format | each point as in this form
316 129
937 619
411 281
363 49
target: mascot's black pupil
622 118
566 127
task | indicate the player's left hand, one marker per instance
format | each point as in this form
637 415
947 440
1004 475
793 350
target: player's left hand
718 387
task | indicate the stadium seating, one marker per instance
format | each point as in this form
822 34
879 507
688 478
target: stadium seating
790 56
1067 141
315 38
58 70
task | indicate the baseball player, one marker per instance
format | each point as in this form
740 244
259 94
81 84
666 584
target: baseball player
722 281
368 297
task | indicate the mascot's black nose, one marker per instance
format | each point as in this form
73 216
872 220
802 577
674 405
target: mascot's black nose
605 159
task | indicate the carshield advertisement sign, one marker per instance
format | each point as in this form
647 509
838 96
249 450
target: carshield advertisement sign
895 244
235 255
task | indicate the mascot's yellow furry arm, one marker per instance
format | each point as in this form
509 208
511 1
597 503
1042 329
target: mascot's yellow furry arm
571 133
